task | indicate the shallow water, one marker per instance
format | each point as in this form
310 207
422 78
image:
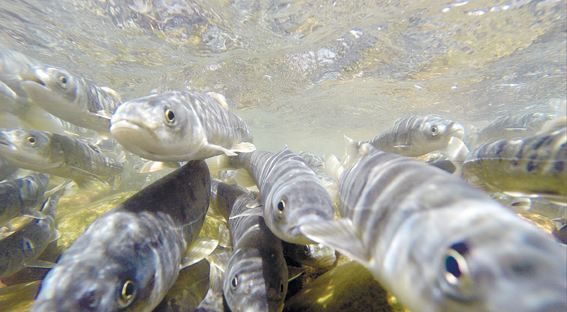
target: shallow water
305 73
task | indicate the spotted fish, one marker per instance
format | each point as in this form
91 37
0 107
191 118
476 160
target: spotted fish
57 154
534 164
256 275
22 248
71 97
129 257
439 244
513 126
21 196
291 193
180 126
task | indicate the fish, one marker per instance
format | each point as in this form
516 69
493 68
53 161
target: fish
256 275
6 170
131 256
438 243
71 97
417 135
21 196
317 164
513 126
291 193
214 300
316 256
14 67
530 165
180 126
58 155
22 247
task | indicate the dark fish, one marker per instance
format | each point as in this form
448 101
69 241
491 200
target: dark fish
21 196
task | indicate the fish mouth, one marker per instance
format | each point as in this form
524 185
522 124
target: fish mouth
35 76
127 126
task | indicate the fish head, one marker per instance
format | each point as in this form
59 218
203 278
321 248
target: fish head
435 132
30 149
94 276
53 88
292 205
255 282
520 270
156 127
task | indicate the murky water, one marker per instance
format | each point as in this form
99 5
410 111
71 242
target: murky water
304 73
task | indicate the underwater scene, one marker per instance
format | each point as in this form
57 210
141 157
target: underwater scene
325 155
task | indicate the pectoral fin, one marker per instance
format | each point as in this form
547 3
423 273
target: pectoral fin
338 234
199 250
243 147
39 264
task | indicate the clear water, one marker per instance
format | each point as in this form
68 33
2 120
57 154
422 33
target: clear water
305 73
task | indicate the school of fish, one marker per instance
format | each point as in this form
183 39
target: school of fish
434 211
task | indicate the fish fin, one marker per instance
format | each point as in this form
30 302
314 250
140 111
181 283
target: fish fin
456 150
333 167
39 264
401 146
58 188
217 148
221 99
239 177
338 234
154 166
113 93
199 250
55 236
243 147
251 212
34 215
294 272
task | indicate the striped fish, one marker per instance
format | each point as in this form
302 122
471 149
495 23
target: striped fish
21 196
178 126
22 248
130 256
439 244
535 164
418 135
256 275
58 155
71 97
290 191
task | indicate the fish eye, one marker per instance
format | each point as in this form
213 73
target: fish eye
28 246
62 80
456 272
169 116
306 249
281 206
281 287
127 294
31 140
234 281
434 130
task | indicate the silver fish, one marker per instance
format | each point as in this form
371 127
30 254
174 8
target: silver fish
24 246
130 257
58 155
71 97
14 67
531 165
418 135
515 126
291 192
21 196
439 244
256 276
177 126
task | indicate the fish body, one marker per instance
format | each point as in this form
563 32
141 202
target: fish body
316 256
256 275
130 257
418 135
21 196
180 126
26 244
439 244
71 97
57 154
512 127
6 170
535 164
290 191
